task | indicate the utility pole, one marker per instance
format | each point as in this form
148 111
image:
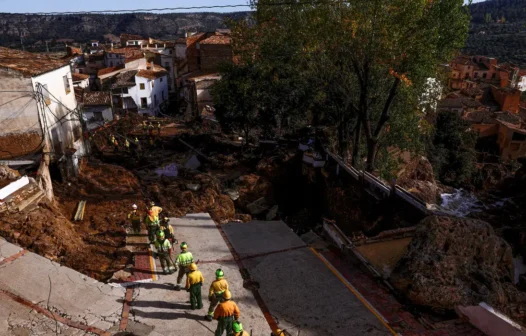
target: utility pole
47 48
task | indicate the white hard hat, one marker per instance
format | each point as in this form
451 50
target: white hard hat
134 206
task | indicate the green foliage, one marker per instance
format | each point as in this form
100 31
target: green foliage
452 150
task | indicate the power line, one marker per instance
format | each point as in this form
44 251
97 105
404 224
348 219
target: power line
139 10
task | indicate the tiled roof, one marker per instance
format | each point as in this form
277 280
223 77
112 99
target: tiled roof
125 79
95 57
127 37
97 98
27 63
77 77
109 70
127 52
151 74
218 39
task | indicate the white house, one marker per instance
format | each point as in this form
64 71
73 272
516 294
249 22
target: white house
117 57
80 80
38 106
145 83
132 40
96 108
163 54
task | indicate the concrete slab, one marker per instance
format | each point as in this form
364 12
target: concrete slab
299 289
157 304
79 297
261 237
7 249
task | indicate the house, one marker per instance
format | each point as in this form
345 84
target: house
96 108
132 40
163 54
80 80
215 50
197 92
94 63
507 98
120 56
94 43
145 83
38 107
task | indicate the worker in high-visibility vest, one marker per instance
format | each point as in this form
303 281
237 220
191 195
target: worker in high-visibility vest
237 328
184 259
225 314
164 251
145 127
194 281
135 219
215 294
150 128
159 127
127 145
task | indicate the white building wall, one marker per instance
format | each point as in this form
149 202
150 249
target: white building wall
82 84
522 83
149 93
64 129
89 114
18 109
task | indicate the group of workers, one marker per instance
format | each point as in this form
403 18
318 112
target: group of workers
148 127
222 308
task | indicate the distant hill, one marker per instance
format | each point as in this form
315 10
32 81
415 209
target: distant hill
498 29
87 27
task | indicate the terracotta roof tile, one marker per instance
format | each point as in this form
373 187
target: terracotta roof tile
218 39
127 37
125 79
94 98
151 74
109 70
77 77
28 64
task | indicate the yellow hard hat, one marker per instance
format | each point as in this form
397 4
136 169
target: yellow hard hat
227 295
193 267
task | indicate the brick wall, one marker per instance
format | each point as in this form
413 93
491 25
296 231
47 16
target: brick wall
212 55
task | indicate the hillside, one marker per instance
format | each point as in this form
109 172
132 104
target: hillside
86 27
499 30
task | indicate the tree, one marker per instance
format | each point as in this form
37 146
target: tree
378 53
487 18
452 151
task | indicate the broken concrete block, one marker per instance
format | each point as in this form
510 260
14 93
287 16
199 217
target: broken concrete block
233 194
192 163
193 187
273 212
257 207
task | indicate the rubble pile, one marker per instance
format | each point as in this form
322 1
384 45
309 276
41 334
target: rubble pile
104 179
418 178
455 261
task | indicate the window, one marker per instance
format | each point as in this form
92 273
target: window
144 103
124 90
518 137
141 86
97 116
66 84
45 93
171 51
162 95
167 65
155 100
161 79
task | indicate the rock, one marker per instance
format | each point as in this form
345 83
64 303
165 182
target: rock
455 261
244 218
192 163
272 213
233 194
418 178
193 187
257 207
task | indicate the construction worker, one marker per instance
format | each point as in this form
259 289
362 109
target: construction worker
237 327
225 314
184 259
135 219
159 127
164 252
217 288
156 210
167 229
145 126
127 145
152 224
150 128
194 281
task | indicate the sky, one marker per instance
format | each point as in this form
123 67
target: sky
34 6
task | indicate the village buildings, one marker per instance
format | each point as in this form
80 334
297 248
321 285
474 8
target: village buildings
488 94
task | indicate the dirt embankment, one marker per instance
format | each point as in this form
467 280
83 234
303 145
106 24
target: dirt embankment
93 246
14 145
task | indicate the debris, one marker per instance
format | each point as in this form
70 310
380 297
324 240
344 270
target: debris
272 213
195 150
169 170
233 194
192 163
193 187
79 214
258 206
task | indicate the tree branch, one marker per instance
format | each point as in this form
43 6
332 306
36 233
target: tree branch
385 112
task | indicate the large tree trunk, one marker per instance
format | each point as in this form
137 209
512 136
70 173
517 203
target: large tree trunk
343 143
372 150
